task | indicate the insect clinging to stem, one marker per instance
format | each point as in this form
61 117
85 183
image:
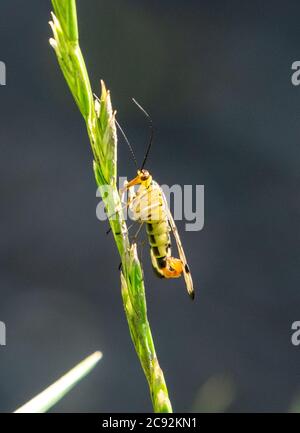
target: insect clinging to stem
149 206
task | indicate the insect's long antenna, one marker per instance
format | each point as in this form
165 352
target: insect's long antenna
151 134
128 143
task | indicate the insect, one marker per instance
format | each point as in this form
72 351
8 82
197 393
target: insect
148 205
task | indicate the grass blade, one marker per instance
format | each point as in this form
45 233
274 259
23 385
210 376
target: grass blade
55 392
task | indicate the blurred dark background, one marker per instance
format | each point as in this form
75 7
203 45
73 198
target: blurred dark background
216 77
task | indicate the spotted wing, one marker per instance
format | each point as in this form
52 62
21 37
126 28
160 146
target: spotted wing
186 269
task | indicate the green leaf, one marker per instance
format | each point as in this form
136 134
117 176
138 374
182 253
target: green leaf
55 392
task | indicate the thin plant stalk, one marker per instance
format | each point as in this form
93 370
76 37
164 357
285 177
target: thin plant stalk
101 128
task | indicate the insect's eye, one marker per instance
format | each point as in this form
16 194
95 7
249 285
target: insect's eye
145 174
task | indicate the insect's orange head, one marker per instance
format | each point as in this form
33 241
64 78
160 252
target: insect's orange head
143 178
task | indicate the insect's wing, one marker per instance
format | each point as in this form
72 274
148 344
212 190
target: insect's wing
186 269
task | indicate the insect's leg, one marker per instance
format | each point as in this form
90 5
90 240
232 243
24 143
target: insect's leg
115 213
123 191
122 194
128 228
108 231
140 248
133 202
141 254
131 194
137 232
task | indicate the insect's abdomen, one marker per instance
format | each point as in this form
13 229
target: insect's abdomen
159 240
148 207
158 231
